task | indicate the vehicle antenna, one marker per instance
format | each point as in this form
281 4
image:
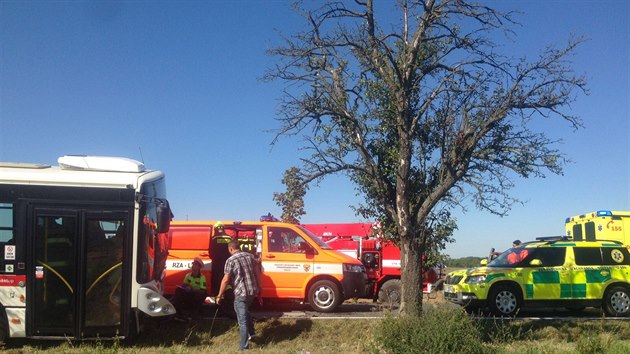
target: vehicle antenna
141 157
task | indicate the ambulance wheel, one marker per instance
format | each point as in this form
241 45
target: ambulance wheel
324 296
390 293
504 300
617 301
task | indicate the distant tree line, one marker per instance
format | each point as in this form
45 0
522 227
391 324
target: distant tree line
464 262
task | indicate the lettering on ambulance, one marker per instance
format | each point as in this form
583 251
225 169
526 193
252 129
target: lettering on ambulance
611 226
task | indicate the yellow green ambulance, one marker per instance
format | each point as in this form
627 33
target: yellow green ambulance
600 225
548 272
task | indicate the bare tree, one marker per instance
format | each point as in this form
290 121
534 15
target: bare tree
420 112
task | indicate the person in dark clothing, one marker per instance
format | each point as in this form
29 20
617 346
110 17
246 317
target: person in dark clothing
219 253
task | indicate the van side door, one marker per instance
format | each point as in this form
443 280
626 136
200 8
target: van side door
287 263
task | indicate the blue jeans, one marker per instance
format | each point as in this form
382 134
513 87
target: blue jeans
244 318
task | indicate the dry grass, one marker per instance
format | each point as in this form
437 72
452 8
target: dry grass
276 336
301 336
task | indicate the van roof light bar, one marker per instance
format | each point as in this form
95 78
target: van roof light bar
553 238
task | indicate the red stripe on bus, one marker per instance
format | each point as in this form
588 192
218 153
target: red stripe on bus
12 280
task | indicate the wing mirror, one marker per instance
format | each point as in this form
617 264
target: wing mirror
164 216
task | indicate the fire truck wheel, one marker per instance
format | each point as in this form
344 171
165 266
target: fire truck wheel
617 301
390 293
324 296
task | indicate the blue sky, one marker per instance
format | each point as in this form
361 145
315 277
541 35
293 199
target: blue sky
176 84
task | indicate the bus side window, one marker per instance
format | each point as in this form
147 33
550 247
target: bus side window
6 223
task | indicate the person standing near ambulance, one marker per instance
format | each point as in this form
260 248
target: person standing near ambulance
242 271
218 254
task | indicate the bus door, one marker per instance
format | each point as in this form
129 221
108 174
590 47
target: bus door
76 272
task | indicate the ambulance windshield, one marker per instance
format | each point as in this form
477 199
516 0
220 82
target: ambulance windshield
510 258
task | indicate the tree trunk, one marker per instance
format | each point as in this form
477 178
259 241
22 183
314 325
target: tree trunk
411 276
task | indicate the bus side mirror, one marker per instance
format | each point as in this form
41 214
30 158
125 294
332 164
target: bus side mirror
163 218
484 262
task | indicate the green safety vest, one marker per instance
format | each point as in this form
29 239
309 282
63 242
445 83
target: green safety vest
194 282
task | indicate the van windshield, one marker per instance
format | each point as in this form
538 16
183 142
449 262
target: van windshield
323 245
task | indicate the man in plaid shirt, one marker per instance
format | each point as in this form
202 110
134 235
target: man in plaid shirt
242 271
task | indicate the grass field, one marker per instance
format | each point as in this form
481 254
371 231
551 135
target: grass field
442 329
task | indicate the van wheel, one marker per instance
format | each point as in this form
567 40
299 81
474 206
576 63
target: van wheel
504 300
390 294
617 302
324 296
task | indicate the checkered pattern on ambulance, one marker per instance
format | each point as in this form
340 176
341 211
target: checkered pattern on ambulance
568 274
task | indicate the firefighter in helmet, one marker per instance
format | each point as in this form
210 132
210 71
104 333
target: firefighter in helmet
219 253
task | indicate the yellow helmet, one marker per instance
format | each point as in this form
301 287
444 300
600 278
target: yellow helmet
219 225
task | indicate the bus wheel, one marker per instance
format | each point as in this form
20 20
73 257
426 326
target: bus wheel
617 302
504 300
324 296
390 294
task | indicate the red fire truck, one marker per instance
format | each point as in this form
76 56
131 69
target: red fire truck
380 257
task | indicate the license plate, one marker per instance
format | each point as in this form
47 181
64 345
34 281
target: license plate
448 289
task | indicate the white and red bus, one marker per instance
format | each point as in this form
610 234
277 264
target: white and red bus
82 248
